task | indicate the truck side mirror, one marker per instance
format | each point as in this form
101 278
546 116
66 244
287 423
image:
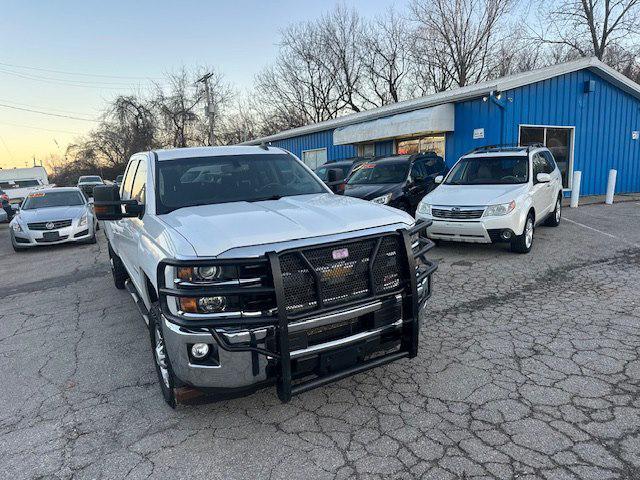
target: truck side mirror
107 203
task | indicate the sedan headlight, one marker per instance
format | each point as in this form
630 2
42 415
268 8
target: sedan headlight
383 199
83 220
16 227
424 208
500 209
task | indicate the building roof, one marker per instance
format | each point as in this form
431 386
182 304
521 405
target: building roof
464 93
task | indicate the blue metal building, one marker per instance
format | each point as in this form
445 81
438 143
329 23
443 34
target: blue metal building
585 112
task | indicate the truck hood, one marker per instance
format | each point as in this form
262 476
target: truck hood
214 229
473 195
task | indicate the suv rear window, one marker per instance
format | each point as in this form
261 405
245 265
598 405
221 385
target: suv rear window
489 171
231 178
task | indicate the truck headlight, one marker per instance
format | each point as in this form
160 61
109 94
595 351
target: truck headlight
424 208
203 304
383 199
205 273
83 220
500 209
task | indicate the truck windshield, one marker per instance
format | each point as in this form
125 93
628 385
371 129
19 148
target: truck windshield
375 173
489 171
231 178
18 184
52 199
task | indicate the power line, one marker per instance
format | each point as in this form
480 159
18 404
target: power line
39 128
48 113
77 73
49 108
70 83
6 148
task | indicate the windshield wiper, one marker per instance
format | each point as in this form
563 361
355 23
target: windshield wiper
262 199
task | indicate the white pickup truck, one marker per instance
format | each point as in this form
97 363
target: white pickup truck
250 272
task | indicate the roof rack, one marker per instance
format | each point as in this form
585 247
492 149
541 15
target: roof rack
506 146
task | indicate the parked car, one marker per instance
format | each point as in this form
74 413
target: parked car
118 180
496 194
3 216
87 182
256 274
6 206
17 183
51 216
345 166
399 181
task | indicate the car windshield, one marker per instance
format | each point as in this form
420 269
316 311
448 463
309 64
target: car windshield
231 178
52 199
489 171
18 184
90 179
376 173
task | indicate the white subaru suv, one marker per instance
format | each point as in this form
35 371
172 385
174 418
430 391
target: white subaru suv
495 194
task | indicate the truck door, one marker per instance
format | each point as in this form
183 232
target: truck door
118 227
132 226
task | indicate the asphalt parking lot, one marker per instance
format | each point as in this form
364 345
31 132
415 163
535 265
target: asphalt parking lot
529 367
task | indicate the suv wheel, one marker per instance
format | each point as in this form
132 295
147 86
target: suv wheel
118 271
554 219
523 243
161 360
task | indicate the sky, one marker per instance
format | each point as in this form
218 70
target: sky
71 57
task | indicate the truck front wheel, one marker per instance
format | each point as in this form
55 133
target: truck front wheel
161 360
118 271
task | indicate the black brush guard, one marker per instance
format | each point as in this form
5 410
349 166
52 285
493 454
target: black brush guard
415 290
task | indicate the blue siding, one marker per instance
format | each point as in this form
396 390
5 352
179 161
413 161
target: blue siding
384 148
603 121
324 139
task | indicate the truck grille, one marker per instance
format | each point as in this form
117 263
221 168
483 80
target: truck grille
326 277
460 214
43 225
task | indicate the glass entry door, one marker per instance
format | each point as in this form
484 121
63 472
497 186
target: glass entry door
558 140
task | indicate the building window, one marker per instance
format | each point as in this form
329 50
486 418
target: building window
428 143
559 140
367 150
314 158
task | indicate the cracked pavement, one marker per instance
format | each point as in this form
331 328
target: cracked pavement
528 367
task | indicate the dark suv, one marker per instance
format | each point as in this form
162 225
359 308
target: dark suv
346 166
397 180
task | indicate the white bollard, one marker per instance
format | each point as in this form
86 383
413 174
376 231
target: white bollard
575 189
611 186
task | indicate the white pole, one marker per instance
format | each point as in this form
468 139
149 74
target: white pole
611 186
575 188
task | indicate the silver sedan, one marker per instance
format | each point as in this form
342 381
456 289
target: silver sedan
52 216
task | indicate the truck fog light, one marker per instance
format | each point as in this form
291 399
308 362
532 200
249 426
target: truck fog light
212 304
200 350
506 234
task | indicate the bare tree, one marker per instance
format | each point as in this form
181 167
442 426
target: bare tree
385 56
590 27
460 36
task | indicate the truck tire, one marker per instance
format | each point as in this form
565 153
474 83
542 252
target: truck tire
553 220
118 271
166 378
523 243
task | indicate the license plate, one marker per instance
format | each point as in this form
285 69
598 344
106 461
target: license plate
51 236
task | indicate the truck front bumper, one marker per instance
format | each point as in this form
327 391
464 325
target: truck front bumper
325 345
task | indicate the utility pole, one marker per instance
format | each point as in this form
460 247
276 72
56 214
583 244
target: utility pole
209 108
